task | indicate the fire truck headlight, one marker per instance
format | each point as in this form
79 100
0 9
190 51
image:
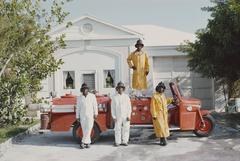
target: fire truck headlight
189 108
145 108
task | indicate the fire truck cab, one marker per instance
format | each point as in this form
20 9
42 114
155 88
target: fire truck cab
185 115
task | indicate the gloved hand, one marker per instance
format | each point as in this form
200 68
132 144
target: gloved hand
146 72
128 119
154 118
175 101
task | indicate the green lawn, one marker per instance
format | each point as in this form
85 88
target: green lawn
10 131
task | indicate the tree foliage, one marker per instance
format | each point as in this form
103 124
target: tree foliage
26 55
216 51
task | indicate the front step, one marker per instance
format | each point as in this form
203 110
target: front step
174 128
142 126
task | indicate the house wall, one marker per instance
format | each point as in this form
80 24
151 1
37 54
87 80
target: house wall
102 46
90 59
165 65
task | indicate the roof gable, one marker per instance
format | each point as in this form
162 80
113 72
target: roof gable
89 27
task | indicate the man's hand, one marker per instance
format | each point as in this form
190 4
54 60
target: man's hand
95 117
128 119
134 68
154 118
146 72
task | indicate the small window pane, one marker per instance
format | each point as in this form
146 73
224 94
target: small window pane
109 76
69 80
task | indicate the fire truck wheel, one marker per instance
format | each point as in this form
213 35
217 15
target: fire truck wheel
77 133
204 131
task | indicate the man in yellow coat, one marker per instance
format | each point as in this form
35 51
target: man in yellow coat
159 113
138 61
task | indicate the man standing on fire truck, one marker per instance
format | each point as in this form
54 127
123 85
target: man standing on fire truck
121 113
138 61
159 113
86 112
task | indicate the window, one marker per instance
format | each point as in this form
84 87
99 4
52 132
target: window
68 80
89 79
109 78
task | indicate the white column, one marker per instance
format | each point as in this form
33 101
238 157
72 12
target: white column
150 78
129 71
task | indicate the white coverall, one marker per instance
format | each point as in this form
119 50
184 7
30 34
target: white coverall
121 109
86 109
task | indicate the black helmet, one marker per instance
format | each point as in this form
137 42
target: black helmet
139 42
160 85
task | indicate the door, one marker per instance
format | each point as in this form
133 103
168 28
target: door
169 68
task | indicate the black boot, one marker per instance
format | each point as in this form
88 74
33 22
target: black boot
161 141
82 146
87 145
116 145
164 141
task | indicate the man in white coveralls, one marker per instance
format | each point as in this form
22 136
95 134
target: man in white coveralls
87 111
121 113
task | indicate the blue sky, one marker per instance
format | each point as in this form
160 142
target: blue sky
184 15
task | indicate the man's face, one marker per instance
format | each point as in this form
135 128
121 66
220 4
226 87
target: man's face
160 90
120 90
139 47
85 92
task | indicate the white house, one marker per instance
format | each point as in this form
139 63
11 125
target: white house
96 49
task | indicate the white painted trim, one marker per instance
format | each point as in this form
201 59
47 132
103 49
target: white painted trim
86 49
102 37
60 27
168 47
167 54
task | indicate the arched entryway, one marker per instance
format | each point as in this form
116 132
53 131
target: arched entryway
100 68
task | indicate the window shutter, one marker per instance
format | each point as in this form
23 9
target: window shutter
89 79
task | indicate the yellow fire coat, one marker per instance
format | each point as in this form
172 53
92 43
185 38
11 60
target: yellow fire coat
159 110
140 61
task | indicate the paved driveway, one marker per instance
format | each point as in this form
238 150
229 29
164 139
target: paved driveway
222 145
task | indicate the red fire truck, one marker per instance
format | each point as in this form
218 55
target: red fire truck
186 115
